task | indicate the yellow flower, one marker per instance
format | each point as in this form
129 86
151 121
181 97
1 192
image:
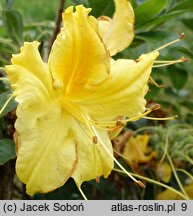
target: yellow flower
65 106
171 195
136 150
118 33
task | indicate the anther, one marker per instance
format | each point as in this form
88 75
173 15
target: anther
95 139
140 183
166 63
120 123
183 59
155 107
182 36
97 179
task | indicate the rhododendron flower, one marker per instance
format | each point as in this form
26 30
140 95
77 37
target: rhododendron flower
66 106
136 150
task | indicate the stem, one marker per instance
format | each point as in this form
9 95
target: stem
185 172
176 176
57 24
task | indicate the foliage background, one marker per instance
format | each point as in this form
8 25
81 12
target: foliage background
156 23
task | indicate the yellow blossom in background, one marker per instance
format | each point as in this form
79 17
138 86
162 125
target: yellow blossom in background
136 150
164 172
170 195
66 106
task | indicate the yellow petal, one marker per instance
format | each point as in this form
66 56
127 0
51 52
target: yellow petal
78 56
47 154
170 195
136 149
118 33
164 172
43 142
122 93
93 160
29 75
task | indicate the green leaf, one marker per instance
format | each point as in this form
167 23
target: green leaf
186 51
154 36
178 76
13 24
7 150
102 7
153 90
150 24
185 5
76 2
188 104
134 3
11 105
148 10
188 23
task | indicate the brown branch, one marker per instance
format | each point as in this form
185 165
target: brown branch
57 24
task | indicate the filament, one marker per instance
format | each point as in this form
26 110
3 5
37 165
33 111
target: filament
161 119
152 81
166 63
119 123
181 37
82 193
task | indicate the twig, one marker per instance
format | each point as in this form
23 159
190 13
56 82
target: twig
57 24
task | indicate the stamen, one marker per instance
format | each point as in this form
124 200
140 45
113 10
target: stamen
111 155
73 110
183 59
114 128
155 107
181 37
119 123
6 103
166 63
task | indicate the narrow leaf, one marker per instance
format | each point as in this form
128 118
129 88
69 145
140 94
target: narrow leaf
185 5
13 24
148 10
178 76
